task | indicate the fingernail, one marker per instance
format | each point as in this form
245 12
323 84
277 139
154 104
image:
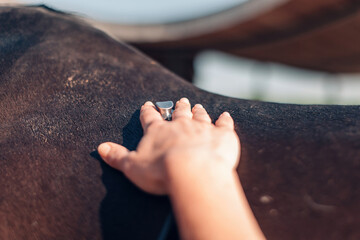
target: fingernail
198 106
226 114
104 149
184 100
149 103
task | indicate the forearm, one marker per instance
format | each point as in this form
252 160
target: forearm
212 207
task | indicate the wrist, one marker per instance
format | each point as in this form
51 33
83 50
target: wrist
217 197
195 173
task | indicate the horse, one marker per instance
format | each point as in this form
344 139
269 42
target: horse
66 86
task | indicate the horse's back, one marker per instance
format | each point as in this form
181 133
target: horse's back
66 87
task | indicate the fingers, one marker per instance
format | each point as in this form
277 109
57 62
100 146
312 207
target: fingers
200 114
149 114
182 109
115 155
225 121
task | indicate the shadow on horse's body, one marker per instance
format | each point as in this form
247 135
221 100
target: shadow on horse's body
66 87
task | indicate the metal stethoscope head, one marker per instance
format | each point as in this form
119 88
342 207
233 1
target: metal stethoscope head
165 109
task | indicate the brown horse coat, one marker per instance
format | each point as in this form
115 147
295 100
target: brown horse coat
66 87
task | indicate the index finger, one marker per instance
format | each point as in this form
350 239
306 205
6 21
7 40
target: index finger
149 114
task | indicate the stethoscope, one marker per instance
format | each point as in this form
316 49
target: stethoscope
165 109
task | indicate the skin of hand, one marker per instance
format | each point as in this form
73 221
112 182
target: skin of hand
190 141
194 162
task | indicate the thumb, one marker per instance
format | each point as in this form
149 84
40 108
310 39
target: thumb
114 154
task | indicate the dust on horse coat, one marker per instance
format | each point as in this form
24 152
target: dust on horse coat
65 87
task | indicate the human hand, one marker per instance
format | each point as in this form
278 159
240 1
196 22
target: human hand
188 145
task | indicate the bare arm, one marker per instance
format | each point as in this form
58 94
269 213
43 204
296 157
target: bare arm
212 206
194 162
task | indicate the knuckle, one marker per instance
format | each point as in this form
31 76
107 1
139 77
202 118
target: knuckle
153 125
131 155
203 114
146 115
144 108
198 110
226 120
182 115
182 105
183 121
176 113
126 164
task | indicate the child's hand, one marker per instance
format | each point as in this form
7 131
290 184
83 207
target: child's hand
188 145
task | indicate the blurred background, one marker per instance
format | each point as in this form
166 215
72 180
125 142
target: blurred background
219 72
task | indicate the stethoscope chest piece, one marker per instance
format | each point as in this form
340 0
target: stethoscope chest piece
165 109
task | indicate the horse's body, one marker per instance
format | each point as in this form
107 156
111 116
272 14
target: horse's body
66 87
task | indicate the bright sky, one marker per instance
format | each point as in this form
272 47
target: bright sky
141 11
